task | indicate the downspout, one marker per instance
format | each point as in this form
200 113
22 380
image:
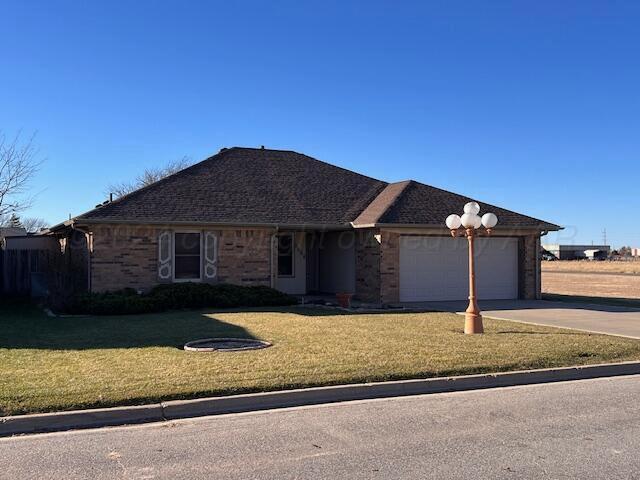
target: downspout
538 265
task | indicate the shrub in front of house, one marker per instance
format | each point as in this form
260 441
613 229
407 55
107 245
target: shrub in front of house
177 296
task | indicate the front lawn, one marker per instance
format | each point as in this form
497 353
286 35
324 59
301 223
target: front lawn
51 364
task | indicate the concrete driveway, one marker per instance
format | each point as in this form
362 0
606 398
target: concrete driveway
622 321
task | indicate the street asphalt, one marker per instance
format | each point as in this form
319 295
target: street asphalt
586 429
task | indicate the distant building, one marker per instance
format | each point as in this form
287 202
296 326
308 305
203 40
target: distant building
6 232
12 232
635 252
578 252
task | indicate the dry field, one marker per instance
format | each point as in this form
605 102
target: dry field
585 266
592 279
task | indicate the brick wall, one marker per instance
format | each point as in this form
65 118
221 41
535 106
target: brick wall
127 256
367 266
389 267
377 266
124 256
529 267
243 257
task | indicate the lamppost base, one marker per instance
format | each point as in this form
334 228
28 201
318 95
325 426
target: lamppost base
473 323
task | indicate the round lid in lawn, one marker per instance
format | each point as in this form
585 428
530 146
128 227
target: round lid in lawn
225 345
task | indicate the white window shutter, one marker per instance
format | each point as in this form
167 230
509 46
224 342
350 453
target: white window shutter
210 257
165 264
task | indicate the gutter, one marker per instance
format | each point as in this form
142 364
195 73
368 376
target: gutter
296 226
545 229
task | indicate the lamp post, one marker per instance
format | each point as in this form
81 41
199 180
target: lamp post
471 223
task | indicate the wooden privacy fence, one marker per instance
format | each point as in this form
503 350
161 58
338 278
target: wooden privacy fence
42 273
24 272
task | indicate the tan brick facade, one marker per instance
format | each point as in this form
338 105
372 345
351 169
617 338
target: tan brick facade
124 256
529 267
367 266
127 256
244 257
377 266
389 267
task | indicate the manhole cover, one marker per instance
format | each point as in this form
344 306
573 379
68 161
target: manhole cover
225 345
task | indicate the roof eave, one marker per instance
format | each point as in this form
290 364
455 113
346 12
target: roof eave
297 226
540 227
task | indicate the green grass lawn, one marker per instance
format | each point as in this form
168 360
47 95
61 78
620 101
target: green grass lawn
51 364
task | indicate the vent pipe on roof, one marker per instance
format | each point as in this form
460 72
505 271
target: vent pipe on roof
261 147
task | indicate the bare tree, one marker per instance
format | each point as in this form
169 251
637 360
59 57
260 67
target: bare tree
33 224
10 221
18 165
149 176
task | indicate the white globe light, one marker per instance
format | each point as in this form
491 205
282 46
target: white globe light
489 220
471 220
472 207
453 222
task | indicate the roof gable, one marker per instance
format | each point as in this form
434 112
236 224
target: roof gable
382 203
420 204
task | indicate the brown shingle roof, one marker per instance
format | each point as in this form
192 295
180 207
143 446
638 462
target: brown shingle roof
381 204
247 186
420 204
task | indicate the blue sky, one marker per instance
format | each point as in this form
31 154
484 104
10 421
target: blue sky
534 106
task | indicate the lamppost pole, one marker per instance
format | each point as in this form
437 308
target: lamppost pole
471 223
472 317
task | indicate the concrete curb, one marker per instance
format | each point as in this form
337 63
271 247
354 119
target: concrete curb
176 409
97 417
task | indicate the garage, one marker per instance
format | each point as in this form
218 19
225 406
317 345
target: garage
436 268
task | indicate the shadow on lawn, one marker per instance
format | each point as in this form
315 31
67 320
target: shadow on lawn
26 326
23 325
572 333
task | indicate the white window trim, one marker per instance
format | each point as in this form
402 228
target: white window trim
173 258
293 254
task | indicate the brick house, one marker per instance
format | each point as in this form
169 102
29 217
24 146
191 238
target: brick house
283 219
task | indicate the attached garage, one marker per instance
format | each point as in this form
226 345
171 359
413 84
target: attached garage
436 268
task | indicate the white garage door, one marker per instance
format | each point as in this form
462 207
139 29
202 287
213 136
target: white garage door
436 268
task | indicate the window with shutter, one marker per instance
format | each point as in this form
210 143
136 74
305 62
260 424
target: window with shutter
186 258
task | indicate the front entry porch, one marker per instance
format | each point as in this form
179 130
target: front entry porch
319 262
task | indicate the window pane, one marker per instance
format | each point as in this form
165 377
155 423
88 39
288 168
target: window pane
187 243
285 255
187 267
